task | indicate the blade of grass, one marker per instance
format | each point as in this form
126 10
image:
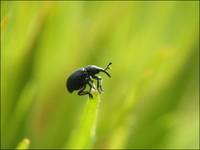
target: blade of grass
24 144
22 107
84 134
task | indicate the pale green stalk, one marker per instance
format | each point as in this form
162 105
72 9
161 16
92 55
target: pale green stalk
83 135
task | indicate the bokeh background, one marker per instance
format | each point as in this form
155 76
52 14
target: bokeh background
152 99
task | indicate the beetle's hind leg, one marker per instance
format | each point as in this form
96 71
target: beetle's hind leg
99 83
82 92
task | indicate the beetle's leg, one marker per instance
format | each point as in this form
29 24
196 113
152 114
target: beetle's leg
85 93
82 92
99 83
92 83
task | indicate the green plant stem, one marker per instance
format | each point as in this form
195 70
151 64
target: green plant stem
84 134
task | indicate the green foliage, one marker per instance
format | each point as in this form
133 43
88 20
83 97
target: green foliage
152 99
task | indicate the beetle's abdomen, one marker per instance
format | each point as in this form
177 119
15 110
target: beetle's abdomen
76 80
69 84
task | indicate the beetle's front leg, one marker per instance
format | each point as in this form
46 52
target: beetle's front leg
99 83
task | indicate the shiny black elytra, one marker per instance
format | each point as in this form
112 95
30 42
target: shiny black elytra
84 76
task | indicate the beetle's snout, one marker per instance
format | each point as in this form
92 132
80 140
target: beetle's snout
106 73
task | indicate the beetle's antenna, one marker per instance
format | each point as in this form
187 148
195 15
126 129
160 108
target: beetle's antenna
108 66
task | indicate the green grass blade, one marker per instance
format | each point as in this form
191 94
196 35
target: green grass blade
24 144
84 134
22 107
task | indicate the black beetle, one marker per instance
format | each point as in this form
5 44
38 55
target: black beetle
84 76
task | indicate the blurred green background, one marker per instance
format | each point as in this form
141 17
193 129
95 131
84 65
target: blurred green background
152 99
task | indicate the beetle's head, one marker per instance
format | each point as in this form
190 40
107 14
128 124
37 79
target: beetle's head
93 70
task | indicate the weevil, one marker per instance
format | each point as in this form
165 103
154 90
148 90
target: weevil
84 76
